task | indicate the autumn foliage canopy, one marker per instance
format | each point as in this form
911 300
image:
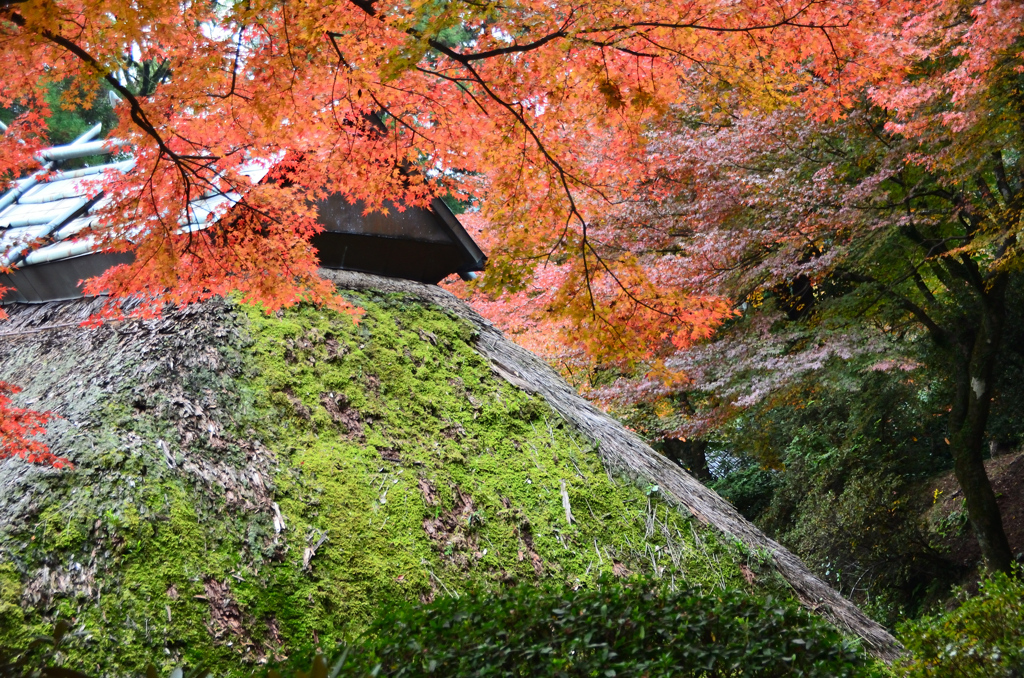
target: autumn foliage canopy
539 111
570 127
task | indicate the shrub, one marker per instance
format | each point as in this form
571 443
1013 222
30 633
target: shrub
984 636
39 658
615 629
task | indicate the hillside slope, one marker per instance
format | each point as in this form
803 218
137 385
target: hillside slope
946 516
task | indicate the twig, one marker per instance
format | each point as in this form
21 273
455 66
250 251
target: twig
565 502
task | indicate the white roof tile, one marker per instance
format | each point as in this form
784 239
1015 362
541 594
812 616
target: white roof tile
56 190
18 215
31 215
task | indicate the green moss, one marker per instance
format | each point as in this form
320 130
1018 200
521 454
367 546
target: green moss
155 607
401 467
432 474
12 618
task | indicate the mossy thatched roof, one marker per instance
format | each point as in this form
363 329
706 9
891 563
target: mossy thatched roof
245 483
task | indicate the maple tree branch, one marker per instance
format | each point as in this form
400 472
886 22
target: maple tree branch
459 82
933 248
974 276
563 175
622 286
938 333
366 6
703 66
785 21
380 106
466 61
499 51
138 114
234 72
835 53
1001 183
926 291
562 32
466 58
960 267
586 274
189 175
401 121
613 44
933 193
986 191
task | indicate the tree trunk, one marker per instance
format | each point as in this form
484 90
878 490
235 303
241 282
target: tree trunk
976 352
691 455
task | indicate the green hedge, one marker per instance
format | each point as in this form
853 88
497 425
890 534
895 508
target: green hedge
615 629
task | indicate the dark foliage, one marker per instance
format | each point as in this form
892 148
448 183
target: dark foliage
835 474
615 629
619 629
38 659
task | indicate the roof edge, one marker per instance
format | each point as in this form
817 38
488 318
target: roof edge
459 235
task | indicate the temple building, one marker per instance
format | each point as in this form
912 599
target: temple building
44 219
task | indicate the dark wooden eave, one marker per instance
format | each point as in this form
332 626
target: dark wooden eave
425 245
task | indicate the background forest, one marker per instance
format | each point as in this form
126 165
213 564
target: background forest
872 356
